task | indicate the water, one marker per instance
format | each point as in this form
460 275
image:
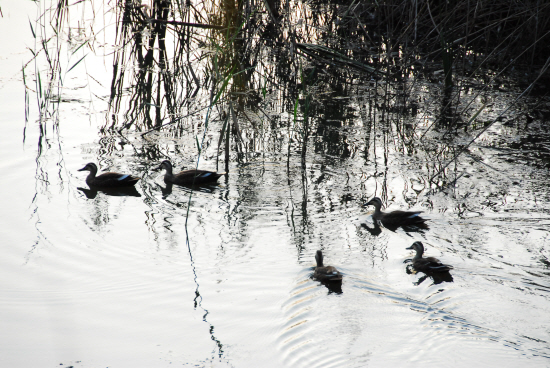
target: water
112 281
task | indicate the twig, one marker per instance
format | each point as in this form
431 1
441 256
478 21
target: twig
543 70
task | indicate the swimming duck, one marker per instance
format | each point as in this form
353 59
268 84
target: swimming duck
188 177
325 273
429 264
108 179
393 220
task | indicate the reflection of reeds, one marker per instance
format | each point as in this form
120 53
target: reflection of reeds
244 60
243 32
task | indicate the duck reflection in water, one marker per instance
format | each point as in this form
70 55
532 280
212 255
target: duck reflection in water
407 220
430 266
166 191
327 275
91 193
205 188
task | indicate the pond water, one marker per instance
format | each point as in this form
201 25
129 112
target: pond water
220 275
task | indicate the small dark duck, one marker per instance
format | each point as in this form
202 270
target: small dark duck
108 179
429 264
393 220
325 273
188 177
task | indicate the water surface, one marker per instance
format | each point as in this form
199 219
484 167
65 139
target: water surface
221 275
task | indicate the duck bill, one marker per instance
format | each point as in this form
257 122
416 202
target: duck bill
409 247
83 169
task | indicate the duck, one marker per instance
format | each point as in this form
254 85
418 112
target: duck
108 179
325 273
188 177
393 220
429 264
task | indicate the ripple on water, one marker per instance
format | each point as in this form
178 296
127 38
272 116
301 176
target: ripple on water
433 327
303 339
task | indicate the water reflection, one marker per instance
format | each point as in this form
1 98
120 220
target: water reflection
203 188
91 193
437 277
366 136
333 286
376 229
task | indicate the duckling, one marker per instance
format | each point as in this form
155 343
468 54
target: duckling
429 264
188 177
108 179
393 220
325 273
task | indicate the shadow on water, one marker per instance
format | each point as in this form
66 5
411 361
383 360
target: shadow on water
208 188
437 277
333 286
91 193
376 229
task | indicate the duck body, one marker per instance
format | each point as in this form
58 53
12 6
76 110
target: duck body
428 264
108 179
393 220
325 273
188 177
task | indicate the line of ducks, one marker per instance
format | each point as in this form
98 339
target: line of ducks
326 274
391 220
115 180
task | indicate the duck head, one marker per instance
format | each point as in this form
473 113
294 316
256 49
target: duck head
376 202
89 167
319 258
166 165
418 246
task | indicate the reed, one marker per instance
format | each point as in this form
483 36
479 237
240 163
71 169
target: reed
234 56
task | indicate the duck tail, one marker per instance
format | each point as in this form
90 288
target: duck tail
442 268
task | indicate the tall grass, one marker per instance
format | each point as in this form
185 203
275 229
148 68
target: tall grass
174 54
